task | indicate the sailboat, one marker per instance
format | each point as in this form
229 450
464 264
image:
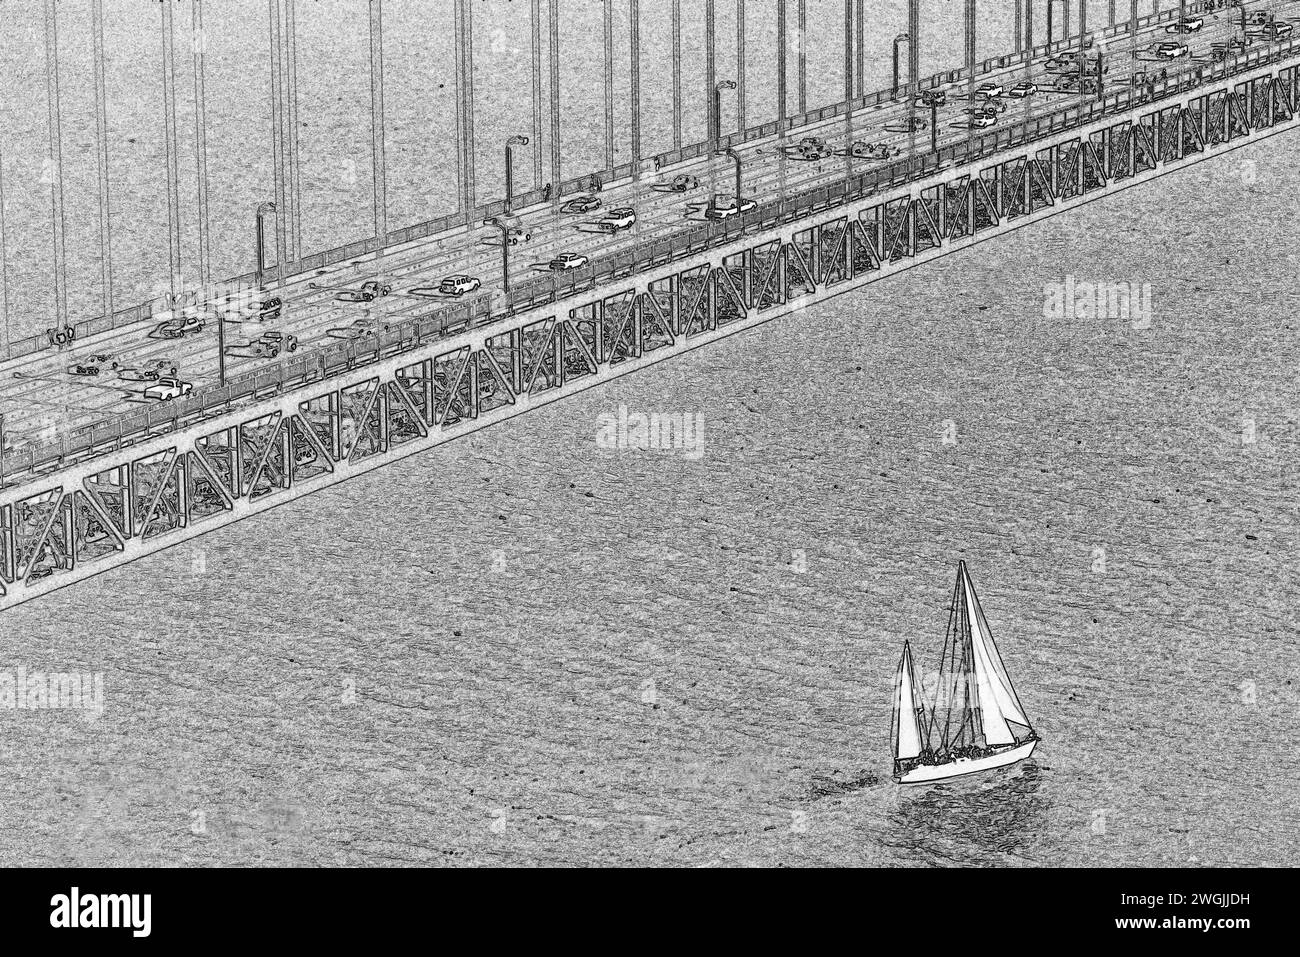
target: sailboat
976 721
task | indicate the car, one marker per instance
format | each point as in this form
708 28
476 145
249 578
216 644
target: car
566 261
1187 25
808 151
683 182
989 89
977 121
271 344
83 368
1022 89
991 105
514 235
620 218
149 372
175 327
1171 50
911 124
168 388
726 206
812 142
583 204
370 290
864 150
458 285
358 328
1275 30
932 98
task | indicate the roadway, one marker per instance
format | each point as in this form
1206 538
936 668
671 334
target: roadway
40 400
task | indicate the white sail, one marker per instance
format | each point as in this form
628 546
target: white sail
907 742
998 702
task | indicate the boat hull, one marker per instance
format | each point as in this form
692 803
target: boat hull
925 773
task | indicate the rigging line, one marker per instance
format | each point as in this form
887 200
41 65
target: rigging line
201 141
56 161
295 170
277 142
173 170
677 74
101 137
535 41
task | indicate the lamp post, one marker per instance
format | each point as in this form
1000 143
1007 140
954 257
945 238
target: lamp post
262 210
505 253
510 167
716 132
735 158
897 40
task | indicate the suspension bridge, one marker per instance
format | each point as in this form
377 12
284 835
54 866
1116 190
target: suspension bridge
218 399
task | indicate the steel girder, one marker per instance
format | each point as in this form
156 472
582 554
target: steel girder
129 502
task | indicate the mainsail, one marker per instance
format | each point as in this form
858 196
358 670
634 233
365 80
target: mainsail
981 707
907 712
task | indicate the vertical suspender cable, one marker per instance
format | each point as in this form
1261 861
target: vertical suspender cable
458 52
913 44
635 28
557 170
714 126
291 97
1083 18
277 143
781 45
740 65
467 61
173 168
201 142
1019 28
101 144
861 58
379 170
676 74
56 161
609 84
4 264
536 43
803 56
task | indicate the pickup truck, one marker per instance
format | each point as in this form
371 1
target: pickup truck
168 388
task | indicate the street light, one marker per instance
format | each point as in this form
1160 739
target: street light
262 210
510 167
505 254
735 158
716 136
897 40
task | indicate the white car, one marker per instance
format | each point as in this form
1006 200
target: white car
726 207
989 89
1189 25
459 285
566 261
620 218
168 388
1022 90
978 121
1171 50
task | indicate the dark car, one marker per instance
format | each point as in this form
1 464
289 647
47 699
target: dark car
583 204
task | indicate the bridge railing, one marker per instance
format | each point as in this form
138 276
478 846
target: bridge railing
401 336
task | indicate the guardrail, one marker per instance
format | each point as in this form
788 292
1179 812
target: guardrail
408 334
593 181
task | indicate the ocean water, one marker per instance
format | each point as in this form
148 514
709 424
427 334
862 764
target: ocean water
522 648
